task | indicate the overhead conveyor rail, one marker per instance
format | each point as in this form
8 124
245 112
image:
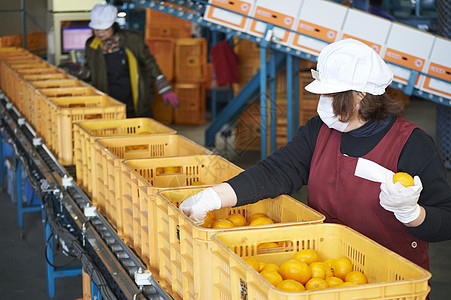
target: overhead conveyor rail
115 270
420 61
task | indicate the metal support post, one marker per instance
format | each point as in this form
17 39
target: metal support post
2 164
289 69
272 100
21 210
52 271
95 292
296 93
263 128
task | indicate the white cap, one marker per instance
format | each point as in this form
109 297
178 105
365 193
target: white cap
350 65
103 16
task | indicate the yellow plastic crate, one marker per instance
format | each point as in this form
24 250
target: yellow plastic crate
86 132
390 276
44 112
66 111
110 151
28 91
11 78
143 179
188 264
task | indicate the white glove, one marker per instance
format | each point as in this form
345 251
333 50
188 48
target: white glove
401 200
197 206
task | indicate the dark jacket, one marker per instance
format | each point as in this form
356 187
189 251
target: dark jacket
142 65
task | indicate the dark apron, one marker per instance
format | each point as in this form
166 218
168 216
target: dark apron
352 201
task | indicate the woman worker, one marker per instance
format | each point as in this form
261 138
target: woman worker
121 65
356 120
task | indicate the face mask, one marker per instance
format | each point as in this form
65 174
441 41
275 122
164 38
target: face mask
326 113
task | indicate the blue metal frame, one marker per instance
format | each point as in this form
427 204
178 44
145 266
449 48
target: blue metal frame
21 210
54 273
229 115
95 292
2 165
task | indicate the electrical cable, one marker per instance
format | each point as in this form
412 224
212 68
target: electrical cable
47 242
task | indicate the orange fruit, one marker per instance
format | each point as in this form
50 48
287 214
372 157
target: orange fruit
257 215
290 285
341 266
270 267
221 223
356 277
237 219
272 276
306 255
267 245
334 281
404 178
210 217
253 263
170 170
329 262
295 269
261 221
316 283
319 269
207 224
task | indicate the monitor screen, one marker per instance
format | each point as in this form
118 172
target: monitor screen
74 38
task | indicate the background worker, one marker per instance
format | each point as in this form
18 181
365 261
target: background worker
356 120
120 64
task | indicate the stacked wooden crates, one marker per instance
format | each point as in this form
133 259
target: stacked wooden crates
183 60
247 131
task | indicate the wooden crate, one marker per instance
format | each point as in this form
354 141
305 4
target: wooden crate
191 60
159 24
163 50
192 104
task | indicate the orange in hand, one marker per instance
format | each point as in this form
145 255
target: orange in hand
403 178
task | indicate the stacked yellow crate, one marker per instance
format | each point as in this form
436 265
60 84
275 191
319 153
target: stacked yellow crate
53 101
161 33
87 132
191 74
183 60
185 250
110 152
390 276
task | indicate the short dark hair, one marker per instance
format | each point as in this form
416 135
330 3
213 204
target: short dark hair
372 107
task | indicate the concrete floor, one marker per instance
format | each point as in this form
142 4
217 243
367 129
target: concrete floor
22 261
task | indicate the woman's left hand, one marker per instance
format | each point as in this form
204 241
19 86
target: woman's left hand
401 200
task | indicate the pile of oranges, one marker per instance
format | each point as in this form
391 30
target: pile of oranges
304 271
235 220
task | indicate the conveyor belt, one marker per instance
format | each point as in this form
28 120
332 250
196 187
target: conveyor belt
109 262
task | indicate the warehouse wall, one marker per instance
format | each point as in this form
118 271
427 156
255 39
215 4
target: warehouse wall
12 21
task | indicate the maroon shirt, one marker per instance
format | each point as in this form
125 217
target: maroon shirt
346 199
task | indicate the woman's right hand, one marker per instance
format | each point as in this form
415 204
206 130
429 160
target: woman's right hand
197 206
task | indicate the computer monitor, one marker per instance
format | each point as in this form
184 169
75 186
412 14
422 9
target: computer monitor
74 38
74 35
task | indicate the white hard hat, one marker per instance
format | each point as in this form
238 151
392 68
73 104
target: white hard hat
350 65
103 16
